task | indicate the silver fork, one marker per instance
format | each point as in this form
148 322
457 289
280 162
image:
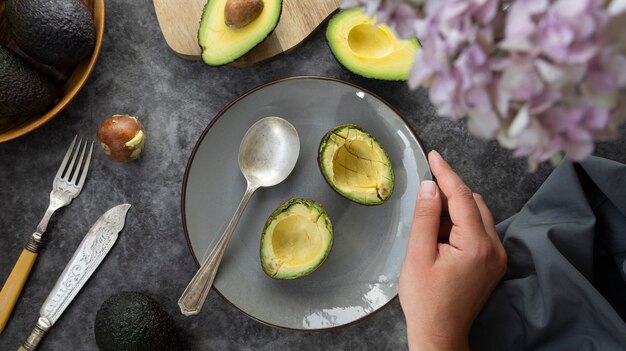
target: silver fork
67 184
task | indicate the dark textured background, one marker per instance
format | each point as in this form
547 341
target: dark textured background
175 99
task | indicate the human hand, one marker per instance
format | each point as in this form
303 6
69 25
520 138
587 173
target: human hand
443 285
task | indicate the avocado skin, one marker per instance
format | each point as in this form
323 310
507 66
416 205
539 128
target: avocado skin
133 321
23 90
54 32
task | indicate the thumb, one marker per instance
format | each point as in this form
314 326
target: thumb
422 243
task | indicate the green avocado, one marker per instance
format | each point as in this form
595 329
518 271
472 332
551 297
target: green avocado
356 165
369 49
222 44
296 239
23 90
132 321
54 32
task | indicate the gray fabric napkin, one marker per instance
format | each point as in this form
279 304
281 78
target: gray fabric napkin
565 287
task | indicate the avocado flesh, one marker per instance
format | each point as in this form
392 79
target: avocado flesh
369 49
54 32
222 44
296 239
132 321
23 90
355 164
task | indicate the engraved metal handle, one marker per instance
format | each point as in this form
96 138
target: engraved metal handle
195 293
36 335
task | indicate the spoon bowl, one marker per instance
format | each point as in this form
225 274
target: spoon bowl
269 151
267 154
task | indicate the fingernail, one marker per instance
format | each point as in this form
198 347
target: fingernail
428 190
436 154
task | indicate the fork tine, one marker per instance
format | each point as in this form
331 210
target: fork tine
70 168
66 158
85 167
80 162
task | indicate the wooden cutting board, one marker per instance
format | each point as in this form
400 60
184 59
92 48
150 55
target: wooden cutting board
180 20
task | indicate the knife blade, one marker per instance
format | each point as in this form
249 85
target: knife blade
92 249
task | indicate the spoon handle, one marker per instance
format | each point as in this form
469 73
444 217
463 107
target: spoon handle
195 294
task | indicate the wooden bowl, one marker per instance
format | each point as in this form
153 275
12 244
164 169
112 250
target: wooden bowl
15 127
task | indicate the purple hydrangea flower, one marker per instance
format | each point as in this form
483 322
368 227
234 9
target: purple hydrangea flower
540 76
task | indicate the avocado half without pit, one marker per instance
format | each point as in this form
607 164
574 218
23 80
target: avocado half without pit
231 28
356 165
296 239
369 49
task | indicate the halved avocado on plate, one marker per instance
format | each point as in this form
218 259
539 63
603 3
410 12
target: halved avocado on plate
356 165
296 239
369 49
222 44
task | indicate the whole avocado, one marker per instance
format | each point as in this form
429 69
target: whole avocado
23 90
132 321
54 32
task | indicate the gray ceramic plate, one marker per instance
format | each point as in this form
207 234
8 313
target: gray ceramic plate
360 276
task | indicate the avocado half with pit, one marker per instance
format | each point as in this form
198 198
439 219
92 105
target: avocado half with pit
369 49
296 239
223 41
356 165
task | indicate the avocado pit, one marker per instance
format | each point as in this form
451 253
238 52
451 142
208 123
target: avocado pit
121 137
239 13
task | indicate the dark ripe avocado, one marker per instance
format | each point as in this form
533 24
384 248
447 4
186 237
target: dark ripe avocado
54 32
132 321
356 165
23 90
223 41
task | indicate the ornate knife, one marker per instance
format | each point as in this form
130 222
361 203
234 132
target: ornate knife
83 263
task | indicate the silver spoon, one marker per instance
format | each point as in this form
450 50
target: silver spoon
267 155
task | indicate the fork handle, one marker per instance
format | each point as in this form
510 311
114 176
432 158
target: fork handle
14 284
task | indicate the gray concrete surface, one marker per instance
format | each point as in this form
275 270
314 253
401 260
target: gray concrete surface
176 99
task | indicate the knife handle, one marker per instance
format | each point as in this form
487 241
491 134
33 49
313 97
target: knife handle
35 337
14 284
